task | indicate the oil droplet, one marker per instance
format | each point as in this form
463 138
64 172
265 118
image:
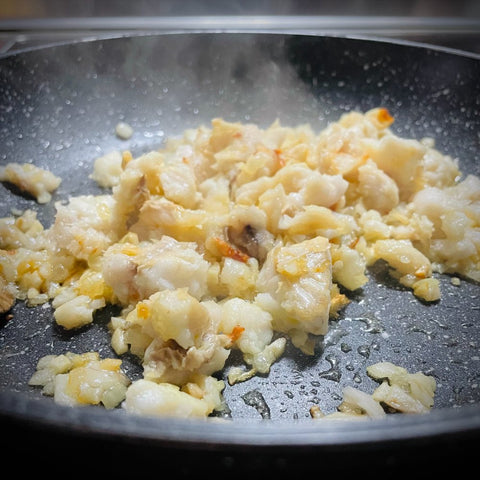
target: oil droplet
333 336
288 393
333 373
336 396
372 323
255 399
364 350
430 334
440 324
223 412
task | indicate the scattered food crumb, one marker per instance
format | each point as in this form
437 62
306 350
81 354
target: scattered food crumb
123 130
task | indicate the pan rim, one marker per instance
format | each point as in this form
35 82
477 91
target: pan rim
362 37
216 432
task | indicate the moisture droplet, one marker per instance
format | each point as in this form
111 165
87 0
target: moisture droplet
334 335
336 396
430 334
364 350
345 348
224 412
372 323
255 399
333 373
288 393
440 324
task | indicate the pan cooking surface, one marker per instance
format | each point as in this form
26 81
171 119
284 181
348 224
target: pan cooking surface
59 109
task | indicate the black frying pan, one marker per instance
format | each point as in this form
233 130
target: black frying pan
59 107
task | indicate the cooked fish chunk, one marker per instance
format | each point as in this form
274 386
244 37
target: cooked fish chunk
80 379
145 397
377 189
36 181
180 336
84 227
136 271
294 285
455 214
107 169
410 264
401 390
7 296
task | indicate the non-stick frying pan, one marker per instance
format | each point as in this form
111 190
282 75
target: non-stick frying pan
58 109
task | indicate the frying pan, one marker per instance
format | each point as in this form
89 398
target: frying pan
59 108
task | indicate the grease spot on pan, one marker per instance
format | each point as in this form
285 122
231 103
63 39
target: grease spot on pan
254 398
